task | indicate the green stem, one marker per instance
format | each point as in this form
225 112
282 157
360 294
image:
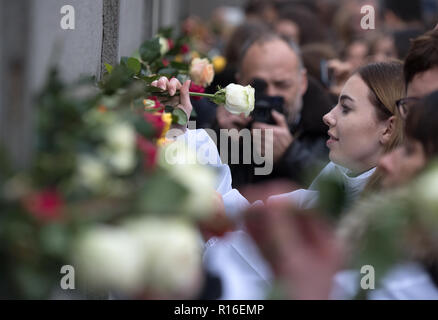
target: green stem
198 94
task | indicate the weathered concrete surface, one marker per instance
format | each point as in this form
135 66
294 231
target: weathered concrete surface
79 50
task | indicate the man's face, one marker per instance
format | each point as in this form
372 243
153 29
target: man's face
277 64
403 163
423 83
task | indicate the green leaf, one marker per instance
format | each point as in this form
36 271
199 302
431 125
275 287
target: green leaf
136 55
166 32
108 67
169 72
149 79
54 239
161 195
179 117
150 50
134 65
180 66
332 196
144 128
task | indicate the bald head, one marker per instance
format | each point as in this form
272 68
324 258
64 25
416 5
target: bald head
279 65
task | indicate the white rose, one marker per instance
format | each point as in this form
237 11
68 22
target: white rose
182 164
120 136
123 161
164 45
120 149
177 153
426 192
92 173
173 255
108 259
239 99
200 182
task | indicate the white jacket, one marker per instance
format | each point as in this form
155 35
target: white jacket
237 259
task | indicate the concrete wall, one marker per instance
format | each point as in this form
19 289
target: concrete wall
132 26
15 110
76 51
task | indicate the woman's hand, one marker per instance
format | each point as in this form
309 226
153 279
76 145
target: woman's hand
171 86
218 223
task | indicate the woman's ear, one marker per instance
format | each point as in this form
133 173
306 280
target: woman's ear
388 130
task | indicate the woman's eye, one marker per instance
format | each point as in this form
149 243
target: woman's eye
345 109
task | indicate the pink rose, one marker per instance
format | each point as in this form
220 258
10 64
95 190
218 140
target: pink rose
201 72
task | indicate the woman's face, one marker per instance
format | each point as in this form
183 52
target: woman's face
356 134
402 164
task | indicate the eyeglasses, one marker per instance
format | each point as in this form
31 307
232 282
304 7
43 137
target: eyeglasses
405 104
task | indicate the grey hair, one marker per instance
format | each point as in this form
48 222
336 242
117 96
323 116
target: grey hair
266 37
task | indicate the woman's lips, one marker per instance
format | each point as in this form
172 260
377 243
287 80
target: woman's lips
331 140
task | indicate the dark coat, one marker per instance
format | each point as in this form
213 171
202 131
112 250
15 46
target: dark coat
308 152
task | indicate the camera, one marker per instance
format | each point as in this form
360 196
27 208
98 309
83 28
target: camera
264 104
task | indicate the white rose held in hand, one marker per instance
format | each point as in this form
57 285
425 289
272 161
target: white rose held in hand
236 98
239 99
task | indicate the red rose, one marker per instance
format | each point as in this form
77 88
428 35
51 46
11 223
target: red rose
170 43
45 205
196 88
149 151
156 121
185 48
165 62
158 106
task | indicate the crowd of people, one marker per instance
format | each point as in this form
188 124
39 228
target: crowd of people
356 104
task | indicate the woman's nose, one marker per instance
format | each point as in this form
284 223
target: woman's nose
329 119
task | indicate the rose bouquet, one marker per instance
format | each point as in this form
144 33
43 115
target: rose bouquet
102 200
130 81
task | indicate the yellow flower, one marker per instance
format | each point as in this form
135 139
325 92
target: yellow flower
167 119
163 142
219 63
178 58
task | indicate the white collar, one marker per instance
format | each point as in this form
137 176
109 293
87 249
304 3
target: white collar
353 185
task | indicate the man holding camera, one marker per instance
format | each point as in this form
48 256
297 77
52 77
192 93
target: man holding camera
274 67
